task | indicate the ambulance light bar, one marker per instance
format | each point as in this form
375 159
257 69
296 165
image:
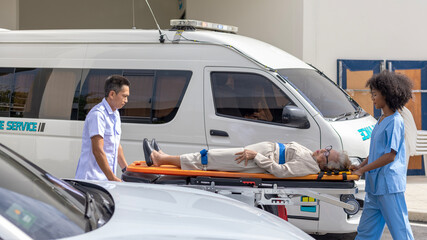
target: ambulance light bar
182 23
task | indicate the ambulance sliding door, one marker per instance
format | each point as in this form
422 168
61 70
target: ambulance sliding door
417 72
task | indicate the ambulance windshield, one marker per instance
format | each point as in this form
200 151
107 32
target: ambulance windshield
323 94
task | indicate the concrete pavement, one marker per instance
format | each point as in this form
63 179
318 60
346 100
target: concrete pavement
416 198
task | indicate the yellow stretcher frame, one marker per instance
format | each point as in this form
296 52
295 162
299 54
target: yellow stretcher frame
141 167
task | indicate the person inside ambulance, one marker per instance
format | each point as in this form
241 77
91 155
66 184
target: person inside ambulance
225 96
239 96
281 160
259 104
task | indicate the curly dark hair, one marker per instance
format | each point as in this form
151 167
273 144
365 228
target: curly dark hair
395 87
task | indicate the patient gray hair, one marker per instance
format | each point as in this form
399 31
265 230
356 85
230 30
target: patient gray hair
343 164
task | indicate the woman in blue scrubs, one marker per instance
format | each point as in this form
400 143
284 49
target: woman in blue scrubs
385 167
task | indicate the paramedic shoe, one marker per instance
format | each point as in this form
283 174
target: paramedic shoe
147 152
155 145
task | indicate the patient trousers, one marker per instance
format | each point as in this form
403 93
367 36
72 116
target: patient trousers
381 209
224 159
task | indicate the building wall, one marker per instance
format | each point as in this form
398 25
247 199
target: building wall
277 22
9 14
96 14
364 29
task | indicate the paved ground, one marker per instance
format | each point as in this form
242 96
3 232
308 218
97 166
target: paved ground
416 198
418 229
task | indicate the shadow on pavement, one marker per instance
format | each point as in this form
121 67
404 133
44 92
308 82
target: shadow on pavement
337 236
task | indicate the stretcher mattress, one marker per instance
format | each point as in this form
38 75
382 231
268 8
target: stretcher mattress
141 167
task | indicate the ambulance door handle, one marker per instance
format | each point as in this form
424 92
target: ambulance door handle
218 133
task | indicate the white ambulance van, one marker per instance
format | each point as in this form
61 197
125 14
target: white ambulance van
190 89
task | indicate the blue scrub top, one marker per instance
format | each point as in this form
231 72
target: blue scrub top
391 178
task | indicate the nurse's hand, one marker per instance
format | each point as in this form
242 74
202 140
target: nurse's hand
354 167
357 172
245 155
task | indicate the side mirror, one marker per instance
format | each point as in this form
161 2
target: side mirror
293 116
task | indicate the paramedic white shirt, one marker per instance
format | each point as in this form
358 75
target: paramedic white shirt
102 121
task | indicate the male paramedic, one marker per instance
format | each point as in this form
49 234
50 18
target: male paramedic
281 160
101 148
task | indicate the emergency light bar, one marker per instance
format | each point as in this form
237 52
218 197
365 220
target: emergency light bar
182 23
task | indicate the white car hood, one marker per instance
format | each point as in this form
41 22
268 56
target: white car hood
148 211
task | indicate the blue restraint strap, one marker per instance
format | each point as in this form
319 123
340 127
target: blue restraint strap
281 153
204 155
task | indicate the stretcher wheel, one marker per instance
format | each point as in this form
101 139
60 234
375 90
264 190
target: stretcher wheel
356 205
346 197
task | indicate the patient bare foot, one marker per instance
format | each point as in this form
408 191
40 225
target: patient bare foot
161 158
155 156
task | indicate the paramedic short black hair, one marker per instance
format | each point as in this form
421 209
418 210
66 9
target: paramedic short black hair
395 87
115 83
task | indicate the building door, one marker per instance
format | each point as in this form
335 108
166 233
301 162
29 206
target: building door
352 77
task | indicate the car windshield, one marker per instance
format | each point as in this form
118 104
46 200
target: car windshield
41 205
323 94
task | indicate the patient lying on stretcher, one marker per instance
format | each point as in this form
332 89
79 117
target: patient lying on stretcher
281 160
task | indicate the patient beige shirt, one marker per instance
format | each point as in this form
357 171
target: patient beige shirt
298 160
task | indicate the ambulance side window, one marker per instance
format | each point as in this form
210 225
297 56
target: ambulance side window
6 81
249 96
37 92
92 91
155 96
138 108
58 94
170 87
21 91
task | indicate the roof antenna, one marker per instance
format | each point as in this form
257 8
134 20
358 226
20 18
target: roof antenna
161 39
133 15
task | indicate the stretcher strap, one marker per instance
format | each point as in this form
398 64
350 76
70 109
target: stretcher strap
281 153
320 175
330 173
204 158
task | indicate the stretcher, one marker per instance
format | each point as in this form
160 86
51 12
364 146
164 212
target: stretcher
302 198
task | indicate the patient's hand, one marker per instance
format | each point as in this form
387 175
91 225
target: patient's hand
245 155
